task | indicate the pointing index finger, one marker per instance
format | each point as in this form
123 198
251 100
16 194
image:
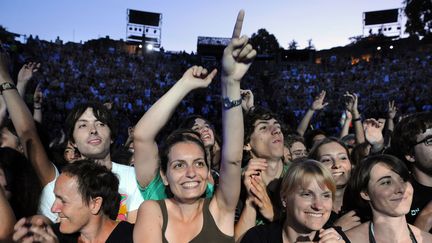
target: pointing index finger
238 24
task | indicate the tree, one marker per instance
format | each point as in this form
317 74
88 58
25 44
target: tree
355 39
264 42
419 17
293 45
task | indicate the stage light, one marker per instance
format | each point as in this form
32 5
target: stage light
391 47
149 47
378 48
140 46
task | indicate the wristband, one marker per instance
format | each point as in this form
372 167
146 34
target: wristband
357 119
6 86
228 104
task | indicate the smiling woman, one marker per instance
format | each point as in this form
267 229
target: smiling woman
381 184
186 216
307 193
186 173
334 155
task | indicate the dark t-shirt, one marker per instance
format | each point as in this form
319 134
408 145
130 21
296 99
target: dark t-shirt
272 233
123 232
422 196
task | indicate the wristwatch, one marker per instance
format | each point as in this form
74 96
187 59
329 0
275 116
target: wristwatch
228 104
6 86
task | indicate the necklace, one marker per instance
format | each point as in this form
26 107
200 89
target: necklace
372 234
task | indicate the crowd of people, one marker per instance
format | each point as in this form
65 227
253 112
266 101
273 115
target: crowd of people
98 145
73 72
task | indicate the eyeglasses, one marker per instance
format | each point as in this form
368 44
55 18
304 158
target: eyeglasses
427 141
299 153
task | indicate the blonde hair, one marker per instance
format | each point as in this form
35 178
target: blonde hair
303 173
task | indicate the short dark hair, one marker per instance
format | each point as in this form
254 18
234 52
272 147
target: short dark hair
314 151
100 112
95 180
309 136
361 175
259 113
293 138
404 136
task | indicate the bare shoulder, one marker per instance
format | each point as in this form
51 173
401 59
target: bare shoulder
148 226
358 233
149 209
149 204
420 235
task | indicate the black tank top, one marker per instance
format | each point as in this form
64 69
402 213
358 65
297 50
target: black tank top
210 233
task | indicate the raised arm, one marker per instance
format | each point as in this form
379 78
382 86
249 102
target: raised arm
37 104
25 74
352 106
391 114
373 134
3 110
24 125
236 60
317 104
146 150
346 124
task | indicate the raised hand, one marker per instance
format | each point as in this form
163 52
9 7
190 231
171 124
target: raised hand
392 110
373 131
247 99
352 102
318 103
27 71
197 77
238 55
